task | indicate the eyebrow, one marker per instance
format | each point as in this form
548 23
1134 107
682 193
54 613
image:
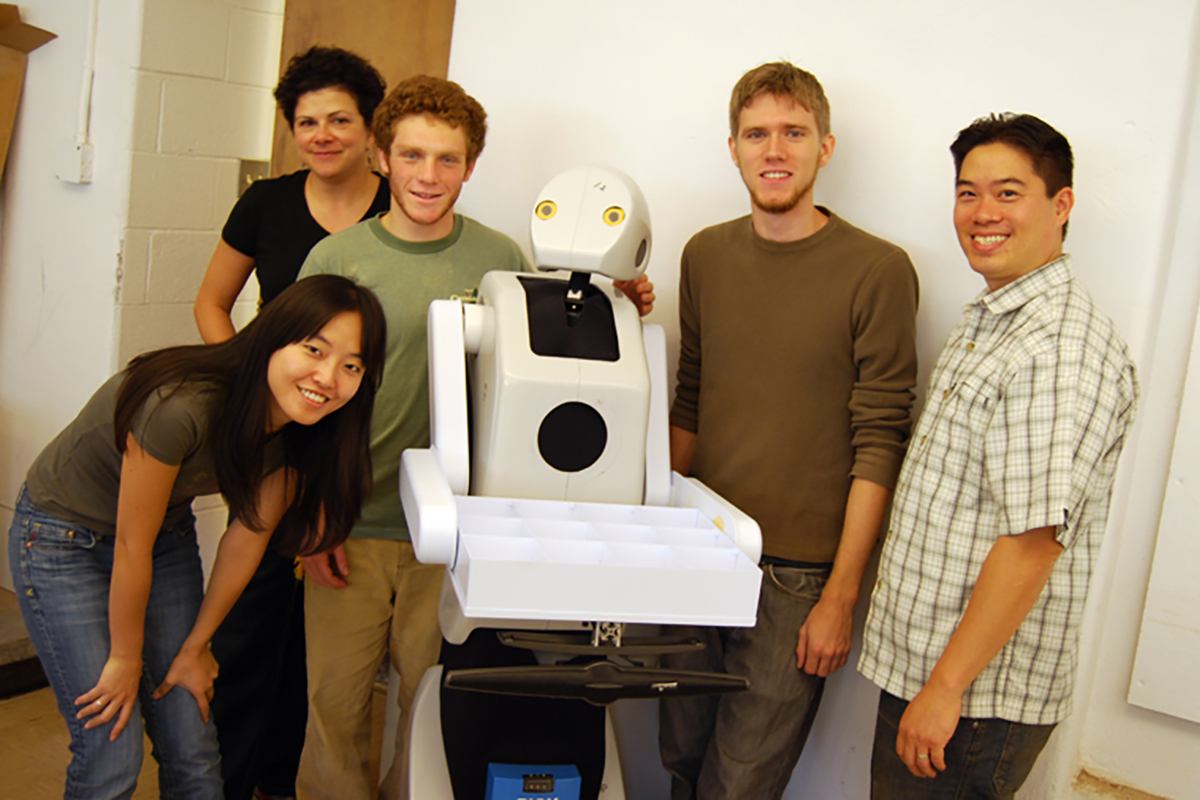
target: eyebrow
359 356
962 182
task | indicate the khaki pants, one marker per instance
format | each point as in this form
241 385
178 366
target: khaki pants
390 607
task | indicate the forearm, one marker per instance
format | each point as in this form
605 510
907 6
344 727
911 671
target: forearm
865 506
127 597
238 556
214 322
227 273
145 490
1010 582
683 447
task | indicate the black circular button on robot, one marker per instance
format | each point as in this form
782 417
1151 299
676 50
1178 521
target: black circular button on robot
572 437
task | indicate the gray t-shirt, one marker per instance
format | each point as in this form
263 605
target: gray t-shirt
77 477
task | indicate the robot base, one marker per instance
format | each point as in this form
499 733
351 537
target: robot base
429 775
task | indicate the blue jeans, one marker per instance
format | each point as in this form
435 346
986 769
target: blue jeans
746 744
62 572
986 759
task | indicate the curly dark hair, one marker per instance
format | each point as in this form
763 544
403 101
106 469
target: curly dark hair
330 67
438 97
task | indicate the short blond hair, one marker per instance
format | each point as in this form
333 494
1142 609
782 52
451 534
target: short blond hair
785 80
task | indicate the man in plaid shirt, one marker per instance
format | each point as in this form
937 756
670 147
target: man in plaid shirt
1003 497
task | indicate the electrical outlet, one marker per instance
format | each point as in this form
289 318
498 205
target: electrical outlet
251 171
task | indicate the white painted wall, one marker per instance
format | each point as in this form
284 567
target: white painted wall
92 275
204 83
645 86
60 245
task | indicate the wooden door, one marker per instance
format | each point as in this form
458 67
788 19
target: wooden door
400 37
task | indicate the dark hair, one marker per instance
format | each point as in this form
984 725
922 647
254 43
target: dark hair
438 97
325 68
785 80
1047 149
330 460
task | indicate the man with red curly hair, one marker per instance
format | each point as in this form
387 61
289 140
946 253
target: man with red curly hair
371 598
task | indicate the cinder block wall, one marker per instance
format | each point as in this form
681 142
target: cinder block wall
203 103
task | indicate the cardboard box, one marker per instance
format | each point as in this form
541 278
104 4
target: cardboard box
16 40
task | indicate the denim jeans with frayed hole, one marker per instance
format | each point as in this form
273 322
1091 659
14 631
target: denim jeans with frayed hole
62 573
986 759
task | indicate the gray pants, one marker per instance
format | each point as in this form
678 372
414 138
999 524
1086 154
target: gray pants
745 745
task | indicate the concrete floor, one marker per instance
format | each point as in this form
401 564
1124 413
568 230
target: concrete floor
34 755
34 739
33 750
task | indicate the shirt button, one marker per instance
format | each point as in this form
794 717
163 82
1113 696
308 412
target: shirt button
970 345
923 438
945 394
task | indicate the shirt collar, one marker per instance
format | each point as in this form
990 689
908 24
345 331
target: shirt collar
1026 288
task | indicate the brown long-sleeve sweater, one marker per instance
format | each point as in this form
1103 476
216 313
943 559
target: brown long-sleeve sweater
796 370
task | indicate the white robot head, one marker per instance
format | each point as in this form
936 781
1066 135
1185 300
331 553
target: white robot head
594 220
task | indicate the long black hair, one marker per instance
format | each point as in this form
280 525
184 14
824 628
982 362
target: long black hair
330 461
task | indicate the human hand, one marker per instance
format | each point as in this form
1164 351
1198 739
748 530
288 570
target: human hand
113 695
641 291
927 725
823 646
319 569
194 670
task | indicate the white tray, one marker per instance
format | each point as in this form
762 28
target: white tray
538 559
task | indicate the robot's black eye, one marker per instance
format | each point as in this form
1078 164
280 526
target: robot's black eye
546 209
614 215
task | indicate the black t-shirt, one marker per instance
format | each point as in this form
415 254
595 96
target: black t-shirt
271 223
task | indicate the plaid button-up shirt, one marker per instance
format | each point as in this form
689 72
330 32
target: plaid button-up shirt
1027 411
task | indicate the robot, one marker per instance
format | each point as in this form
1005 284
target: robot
556 513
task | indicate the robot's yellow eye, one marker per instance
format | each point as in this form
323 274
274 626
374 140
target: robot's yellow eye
546 209
614 215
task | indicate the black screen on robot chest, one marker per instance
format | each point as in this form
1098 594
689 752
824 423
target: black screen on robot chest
594 334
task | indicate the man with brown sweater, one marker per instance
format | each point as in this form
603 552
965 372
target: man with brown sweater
796 371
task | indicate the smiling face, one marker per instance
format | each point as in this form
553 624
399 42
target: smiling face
426 168
1007 226
331 136
778 149
317 376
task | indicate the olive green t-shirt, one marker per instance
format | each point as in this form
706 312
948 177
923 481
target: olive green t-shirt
77 478
407 277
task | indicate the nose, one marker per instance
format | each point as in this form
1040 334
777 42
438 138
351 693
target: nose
324 373
987 209
427 172
774 146
323 133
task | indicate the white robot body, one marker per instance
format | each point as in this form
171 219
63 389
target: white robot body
551 427
551 500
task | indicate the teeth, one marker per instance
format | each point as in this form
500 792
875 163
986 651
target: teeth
775 174
316 398
987 240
